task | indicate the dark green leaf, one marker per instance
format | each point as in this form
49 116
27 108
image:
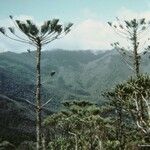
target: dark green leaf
128 24
11 30
33 29
10 16
110 23
45 27
2 30
142 21
67 28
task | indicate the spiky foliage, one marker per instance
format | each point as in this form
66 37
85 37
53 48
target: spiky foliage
126 94
37 36
81 125
132 31
49 31
125 130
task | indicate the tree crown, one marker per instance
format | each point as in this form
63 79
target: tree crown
49 31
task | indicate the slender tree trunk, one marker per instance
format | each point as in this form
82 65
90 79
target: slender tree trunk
137 70
135 51
43 142
38 98
120 128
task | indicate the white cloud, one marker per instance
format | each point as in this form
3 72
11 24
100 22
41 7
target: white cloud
90 33
126 14
96 34
8 44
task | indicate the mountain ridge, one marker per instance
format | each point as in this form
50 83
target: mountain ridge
80 75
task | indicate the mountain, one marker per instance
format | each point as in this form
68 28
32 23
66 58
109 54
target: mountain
16 125
80 75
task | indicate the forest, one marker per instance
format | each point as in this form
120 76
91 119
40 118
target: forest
75 100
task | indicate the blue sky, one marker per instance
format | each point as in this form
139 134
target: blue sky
69 9
87 16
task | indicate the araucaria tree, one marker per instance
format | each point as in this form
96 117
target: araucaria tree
37 36
132 31
127 94
78 127
132 51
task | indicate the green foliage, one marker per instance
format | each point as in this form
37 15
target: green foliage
38 37
113 145
131 102
80 66
44 34
131 31
26 145
13 121
5 145
76 77
2 30
61 143
80 124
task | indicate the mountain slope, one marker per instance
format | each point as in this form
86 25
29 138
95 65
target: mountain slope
80 75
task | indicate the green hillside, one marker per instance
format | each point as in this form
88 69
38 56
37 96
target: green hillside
80 75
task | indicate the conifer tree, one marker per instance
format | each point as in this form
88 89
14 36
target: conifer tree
79 125
126 94
37 36
132 31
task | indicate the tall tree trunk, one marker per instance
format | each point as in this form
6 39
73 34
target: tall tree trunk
120 128
135 52
137 70
38 98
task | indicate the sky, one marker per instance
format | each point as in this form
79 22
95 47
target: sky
90 17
